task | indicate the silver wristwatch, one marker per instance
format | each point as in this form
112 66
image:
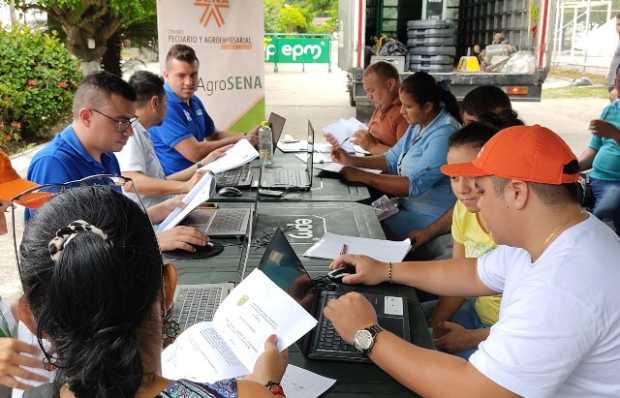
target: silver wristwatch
364 339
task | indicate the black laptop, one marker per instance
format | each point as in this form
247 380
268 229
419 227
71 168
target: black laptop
286 178
241 177
282 265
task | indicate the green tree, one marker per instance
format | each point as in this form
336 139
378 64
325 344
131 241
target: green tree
291 19
85 21
272 13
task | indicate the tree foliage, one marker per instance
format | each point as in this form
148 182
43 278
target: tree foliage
39 78
282 16
98 20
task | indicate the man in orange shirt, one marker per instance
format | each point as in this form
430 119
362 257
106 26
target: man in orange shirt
386 126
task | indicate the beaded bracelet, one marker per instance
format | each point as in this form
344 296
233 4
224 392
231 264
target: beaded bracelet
389 271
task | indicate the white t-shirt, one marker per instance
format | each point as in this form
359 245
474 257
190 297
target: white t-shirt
558 333
138 155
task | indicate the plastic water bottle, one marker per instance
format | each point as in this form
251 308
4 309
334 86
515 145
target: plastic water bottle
265 143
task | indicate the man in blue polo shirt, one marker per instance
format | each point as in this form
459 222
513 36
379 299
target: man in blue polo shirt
103 111
187 133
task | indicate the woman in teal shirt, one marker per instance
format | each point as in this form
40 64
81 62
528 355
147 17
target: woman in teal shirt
603 156
412 165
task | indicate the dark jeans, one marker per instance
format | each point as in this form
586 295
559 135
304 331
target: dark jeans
607 201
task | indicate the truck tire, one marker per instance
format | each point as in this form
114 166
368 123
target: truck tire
443 32
431 59
432 41
428 24
433 50
430 68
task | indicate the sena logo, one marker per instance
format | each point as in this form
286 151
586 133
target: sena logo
213 9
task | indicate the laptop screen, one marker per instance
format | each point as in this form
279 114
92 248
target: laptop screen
277 126
281 264
310 156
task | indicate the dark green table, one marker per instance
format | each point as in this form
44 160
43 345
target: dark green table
304 223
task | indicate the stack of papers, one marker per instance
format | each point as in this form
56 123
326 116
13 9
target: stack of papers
202 191
229 346
302 146
337 168
330 247
342 130
317 158
241 153
295 146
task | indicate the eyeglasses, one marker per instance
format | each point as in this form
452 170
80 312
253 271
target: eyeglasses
36 197
122 124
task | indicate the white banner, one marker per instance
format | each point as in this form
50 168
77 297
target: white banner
227 36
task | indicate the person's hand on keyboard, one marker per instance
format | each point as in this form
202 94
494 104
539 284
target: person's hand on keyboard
368 271
350 313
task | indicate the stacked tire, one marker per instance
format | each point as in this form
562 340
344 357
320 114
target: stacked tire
431 45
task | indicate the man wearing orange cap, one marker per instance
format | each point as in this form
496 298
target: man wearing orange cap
13 353
558 332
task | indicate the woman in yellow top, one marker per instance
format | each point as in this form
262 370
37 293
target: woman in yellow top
460 324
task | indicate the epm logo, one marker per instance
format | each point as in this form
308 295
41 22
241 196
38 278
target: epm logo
213 9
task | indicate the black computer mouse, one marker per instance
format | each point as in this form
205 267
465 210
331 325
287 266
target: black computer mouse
230 192
339 273
209 250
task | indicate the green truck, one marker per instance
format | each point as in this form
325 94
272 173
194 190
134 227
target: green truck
525 24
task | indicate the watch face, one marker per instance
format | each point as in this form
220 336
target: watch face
362 340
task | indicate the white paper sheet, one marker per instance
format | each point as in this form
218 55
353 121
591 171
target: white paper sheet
297 146
241 153
317 158
200 354
330 246
256 309
301 383
230 345
24 334
343 129
337 168
201 193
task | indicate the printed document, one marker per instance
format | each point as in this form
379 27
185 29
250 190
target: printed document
342 130
330 246
241 153
333 167
201 193
230 345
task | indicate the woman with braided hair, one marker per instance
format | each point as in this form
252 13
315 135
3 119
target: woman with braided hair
93 276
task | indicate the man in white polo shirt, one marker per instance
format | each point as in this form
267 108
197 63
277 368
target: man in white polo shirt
138 160
558 268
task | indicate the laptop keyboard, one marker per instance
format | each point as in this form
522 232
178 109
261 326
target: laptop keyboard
329 340
288 177
227 220
233 177
198 304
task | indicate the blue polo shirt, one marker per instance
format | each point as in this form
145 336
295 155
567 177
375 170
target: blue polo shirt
65 159
182 121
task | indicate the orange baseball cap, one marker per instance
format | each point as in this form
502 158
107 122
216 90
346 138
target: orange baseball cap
11 184
527 153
